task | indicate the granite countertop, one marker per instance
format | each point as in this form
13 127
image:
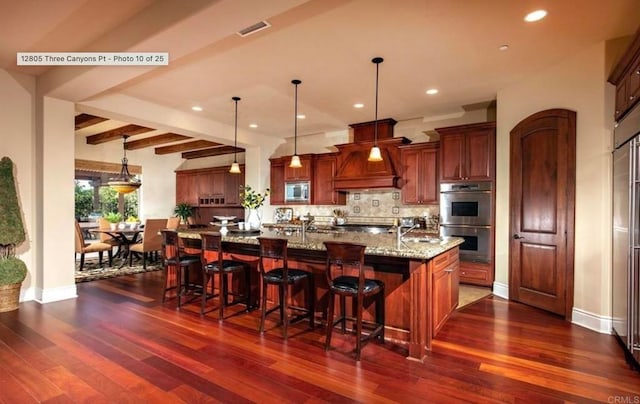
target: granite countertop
377 244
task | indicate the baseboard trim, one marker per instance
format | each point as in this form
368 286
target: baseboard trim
501 290
55 294
595 322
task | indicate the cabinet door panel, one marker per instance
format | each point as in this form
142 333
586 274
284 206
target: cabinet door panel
477 156
451 152
186 188
322 189
277 183
298 174
411 176
430 192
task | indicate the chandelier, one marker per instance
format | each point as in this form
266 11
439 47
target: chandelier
124 183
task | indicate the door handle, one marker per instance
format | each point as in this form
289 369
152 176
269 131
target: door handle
517 237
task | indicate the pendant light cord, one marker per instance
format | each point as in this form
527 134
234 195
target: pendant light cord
295 118
377 61
235 133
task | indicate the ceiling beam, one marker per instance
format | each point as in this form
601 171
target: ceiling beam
155 140
85 120
196 144
214 151
116 133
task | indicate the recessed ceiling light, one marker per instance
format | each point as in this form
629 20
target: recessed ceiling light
535 15
432 91
301 116
503 47
196 108
358 105
253 125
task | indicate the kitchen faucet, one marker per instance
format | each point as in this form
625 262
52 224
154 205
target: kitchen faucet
400 233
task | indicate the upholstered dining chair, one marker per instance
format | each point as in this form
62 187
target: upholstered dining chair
82 248
173 223
151 240
103 224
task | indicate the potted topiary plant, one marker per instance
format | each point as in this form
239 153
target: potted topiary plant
12 269
184 211
114 218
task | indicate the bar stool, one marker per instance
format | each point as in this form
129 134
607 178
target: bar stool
276 249
339 256
213 263
172 258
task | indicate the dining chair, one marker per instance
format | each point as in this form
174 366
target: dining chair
275 250
175 264
341 256
82 248
151 240
103 224
214 264
173 223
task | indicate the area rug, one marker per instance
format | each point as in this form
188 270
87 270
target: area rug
92 271
469 294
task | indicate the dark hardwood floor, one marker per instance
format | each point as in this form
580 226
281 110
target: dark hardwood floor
118 343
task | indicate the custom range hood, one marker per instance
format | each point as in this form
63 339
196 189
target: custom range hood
355 171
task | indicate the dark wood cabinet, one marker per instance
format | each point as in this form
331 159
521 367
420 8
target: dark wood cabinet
322 190
445 270
303 173
626 77
208 187
467 152
276 181
476 273
420 173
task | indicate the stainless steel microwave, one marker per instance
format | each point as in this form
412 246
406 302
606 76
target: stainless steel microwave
297 192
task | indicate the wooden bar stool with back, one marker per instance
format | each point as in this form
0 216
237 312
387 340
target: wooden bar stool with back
341 256
176 264
275 250
213 263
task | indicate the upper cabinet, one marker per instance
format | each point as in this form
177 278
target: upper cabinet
276 186
467 152
322 190
626 77
303 173
420 173
209 187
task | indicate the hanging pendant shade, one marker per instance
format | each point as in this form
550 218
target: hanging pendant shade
235 167
124 183
295 159
375 154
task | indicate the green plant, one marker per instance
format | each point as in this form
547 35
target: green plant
184 211
113 217
12 269
132 219
251 199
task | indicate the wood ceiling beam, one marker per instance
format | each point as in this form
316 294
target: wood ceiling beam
214 151
117 133
155 140
196 144
105 167
85 120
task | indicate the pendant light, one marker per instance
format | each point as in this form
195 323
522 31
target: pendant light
295 159
375 154
235 167
125 182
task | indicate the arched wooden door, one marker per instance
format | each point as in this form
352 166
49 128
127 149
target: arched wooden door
542 205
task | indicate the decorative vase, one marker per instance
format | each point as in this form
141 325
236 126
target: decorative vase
253 220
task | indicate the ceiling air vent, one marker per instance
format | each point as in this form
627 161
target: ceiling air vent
254 28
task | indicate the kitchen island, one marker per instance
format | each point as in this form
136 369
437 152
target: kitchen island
421 277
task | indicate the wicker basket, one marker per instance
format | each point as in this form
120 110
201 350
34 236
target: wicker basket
10 297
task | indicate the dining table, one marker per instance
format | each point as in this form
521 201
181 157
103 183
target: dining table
125 237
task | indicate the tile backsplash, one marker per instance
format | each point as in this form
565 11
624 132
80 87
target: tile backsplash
369 207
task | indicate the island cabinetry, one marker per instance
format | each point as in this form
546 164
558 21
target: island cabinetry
467 152
303 173
322 190
213 186
276 185
420 173
445 281
476 273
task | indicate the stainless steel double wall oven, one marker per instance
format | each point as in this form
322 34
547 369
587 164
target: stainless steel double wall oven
465 211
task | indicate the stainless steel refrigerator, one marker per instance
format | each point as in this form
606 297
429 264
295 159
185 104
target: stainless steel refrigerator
626 236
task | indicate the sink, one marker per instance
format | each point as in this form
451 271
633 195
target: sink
433 240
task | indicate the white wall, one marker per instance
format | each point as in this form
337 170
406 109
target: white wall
578 84
17 141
